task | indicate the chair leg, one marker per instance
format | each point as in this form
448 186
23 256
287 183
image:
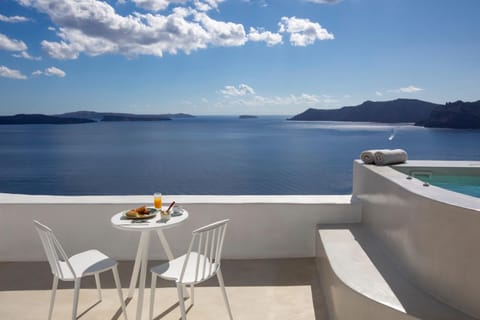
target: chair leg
180 301
116 277
192 296
52 299
225 298
99 287
76 291
152 295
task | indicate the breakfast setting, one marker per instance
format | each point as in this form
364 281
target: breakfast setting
147 220
144 213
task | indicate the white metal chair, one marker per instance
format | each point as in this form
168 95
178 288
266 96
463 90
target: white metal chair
195 266
87 263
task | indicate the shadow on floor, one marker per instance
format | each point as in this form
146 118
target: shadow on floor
18 276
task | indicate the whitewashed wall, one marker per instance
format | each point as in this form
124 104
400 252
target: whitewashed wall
260 226
432 234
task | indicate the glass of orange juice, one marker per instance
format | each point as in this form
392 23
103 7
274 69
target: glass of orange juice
157 200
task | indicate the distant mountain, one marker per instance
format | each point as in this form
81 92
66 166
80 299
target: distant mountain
87 117
455 115
246 116
394 111
133 118
92 115
115 116
40 119
179 115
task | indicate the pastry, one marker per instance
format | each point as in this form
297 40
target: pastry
138 212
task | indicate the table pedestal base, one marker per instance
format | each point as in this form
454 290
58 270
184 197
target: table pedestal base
140 267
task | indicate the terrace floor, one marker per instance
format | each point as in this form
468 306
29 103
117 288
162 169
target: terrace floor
257 289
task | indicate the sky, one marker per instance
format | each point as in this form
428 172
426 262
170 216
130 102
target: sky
207 57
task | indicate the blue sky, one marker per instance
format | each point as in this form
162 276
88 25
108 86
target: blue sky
234 56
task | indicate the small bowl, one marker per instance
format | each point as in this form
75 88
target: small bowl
177 210
164 214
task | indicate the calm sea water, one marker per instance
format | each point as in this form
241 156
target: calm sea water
208 155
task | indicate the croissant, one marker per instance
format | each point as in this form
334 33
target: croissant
142 210
137 212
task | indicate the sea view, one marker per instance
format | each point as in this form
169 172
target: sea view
132 132
128 61
339 141
221 155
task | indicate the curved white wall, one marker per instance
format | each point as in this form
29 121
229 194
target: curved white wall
433 234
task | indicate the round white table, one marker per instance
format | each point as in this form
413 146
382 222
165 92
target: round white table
145 227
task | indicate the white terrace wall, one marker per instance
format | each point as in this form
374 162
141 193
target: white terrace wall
260 226
433 234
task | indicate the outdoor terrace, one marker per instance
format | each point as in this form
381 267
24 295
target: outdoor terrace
257 289
268 266
282 258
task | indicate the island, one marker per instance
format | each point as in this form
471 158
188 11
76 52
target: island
40 119
130 118
394 111
116 116
455 115
87 117
246 116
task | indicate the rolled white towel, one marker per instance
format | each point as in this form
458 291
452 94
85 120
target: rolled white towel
384 157
368 156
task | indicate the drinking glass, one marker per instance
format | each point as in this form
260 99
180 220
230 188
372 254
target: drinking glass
157 200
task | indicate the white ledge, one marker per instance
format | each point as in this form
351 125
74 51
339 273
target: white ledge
431 192
439 163
7 198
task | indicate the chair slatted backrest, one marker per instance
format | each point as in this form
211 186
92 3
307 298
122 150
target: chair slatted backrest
208 242
53 249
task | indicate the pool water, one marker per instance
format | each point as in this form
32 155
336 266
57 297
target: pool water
469 185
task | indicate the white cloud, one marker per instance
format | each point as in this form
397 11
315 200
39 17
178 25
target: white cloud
25 55
378 93
225 34
6 72
260 3
50 72
245 96
201 6
75 42
325 1
156 5
11 44
330 101
303 32
303 99
13 19
241 90
213 3
93 27
410 89
53 71
271 39
207 5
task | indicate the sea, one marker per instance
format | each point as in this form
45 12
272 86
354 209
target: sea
216 155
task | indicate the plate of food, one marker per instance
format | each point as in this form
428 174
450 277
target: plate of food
140 213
